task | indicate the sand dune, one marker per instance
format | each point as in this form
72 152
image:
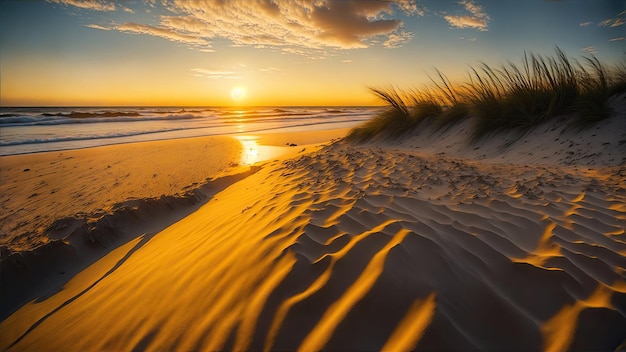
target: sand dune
362 248
552 143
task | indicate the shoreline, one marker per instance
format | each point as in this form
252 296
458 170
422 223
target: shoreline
268 131
35 130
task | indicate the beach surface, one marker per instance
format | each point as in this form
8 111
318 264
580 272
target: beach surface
516 242
61 211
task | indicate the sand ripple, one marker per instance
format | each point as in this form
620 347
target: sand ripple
362 248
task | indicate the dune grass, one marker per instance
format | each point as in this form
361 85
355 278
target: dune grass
510 96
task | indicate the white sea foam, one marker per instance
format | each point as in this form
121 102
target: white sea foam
29 130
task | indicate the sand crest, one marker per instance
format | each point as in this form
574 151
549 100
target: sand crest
362 248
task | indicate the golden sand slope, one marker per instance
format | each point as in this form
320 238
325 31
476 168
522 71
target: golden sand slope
364 249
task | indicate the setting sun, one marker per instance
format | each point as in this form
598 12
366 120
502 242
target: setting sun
238 93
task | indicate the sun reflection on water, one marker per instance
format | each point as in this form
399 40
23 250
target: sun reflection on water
250 154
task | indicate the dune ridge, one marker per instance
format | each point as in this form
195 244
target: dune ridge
363 248
75 242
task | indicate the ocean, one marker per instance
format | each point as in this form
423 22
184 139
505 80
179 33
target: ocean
38 129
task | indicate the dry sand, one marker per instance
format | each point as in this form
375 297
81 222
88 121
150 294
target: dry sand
61 211
37 189
373 247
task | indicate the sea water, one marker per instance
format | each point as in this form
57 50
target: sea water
31 130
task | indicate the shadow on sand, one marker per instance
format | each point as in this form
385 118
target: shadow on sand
83 240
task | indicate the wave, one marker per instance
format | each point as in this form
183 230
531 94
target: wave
16 121
249 116
30 130
86 137
216 131
84 115
55 119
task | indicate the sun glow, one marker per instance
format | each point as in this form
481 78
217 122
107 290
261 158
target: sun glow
238 93
250 153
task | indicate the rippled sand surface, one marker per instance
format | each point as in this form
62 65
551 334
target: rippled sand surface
362 248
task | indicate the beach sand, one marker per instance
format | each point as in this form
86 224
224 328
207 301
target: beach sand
61 211
37 189
383 246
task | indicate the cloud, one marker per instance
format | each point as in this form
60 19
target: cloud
614 22
308 28
617 39
215 74
410 7
127 9
342 24
590 50
398 39
346 61
477 19
345 24
269 69
96 5
166 33
97 26
585 24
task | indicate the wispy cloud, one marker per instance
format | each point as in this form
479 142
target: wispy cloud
97 26
346 61
127 9
476 19
269 69
410 7
617 39
590 50
304 27
163 32
619 20
585 24
215 74
96 5
398 39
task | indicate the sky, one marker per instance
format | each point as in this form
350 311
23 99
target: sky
277 52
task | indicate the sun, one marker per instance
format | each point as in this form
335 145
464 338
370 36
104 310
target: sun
238 93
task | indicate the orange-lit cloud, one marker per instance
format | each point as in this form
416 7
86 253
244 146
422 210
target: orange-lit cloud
301 27
166 33
398 39
97 26
95 5
477 19
213 74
